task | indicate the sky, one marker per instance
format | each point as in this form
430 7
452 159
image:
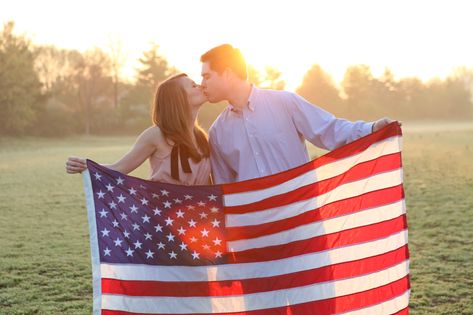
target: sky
413 38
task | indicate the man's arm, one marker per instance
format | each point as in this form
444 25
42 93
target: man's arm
322 128
221 172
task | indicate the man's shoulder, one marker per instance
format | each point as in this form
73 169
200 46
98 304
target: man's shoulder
274 93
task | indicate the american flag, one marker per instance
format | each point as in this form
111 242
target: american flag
328 237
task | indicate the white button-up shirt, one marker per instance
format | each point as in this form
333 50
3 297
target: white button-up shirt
268 136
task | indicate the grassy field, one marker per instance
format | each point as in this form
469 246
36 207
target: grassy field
44 249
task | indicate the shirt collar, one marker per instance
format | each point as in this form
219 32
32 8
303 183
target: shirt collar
251 100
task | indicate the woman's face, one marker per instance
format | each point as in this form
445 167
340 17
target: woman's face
194 92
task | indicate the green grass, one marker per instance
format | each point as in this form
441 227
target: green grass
44 249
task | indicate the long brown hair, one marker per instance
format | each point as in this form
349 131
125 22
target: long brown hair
172 113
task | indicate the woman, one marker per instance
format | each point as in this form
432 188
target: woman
176 146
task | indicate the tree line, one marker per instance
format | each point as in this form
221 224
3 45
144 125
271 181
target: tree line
49 91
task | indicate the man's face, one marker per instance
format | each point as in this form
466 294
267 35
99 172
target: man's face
213 84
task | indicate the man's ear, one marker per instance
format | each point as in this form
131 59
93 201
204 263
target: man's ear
228 74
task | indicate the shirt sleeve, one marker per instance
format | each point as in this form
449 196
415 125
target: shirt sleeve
221 172
322 128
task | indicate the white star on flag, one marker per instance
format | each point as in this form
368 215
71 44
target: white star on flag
169 221
164 192
134 209
103 213
195 255
170 237
121 198
183 246
105 232
145 218
109 187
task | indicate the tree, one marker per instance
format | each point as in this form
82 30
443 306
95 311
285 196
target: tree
318 88
92 81
153 70
20 89
365 95
270 79
117 60
254 76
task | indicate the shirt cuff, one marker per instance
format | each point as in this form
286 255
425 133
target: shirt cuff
367 129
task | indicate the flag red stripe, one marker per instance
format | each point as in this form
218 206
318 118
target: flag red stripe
360 171
328 306
226 288
345 151
347 237
338 208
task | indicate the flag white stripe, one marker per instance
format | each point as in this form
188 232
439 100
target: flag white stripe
338 224
256 269
387 307
94 248
385 147
348 190
256 301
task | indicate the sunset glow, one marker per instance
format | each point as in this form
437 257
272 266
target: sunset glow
421 38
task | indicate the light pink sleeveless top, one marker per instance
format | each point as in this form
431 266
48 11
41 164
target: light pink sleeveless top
160 166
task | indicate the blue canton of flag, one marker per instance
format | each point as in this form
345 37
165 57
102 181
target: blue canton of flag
152 223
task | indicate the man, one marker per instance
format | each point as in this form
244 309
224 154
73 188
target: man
263 132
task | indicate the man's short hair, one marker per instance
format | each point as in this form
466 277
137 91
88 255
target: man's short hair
226 56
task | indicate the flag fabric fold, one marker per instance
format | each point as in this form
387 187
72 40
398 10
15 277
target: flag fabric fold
327 237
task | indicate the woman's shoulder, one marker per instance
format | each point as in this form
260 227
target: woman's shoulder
153 131
154 135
